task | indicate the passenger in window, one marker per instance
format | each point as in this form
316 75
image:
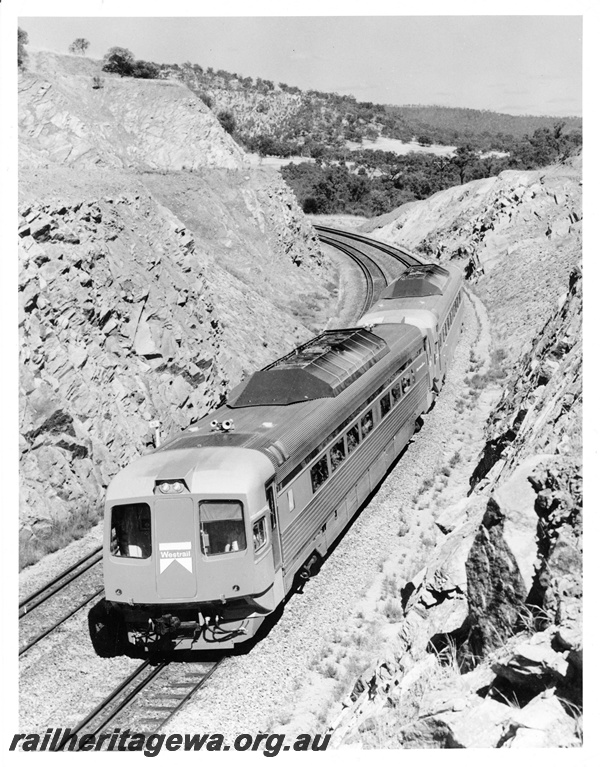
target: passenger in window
319 473
259 534
337 454
396 393
385 405
366 424
352 439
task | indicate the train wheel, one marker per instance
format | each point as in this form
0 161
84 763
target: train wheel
107 630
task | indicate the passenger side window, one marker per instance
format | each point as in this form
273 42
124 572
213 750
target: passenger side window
337 454
406 382
366 424
396 393
319 473
352 438
385 405
271 502
259 534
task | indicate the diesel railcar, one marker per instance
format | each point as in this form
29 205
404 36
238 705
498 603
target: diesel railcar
205 536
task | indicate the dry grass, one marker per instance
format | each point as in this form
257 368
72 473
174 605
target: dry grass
58 534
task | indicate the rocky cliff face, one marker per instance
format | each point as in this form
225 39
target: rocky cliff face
68 118
522 229
494 618
145 247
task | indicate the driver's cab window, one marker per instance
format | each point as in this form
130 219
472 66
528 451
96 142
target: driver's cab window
222 527
131 535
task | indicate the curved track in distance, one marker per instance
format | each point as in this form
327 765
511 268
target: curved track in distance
404 256
375 279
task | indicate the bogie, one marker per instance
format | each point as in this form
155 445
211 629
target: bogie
107 630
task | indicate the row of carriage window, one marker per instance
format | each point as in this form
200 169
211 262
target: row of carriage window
222 530
450 319
334 457
330 461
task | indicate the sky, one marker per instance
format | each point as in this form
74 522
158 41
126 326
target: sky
518 64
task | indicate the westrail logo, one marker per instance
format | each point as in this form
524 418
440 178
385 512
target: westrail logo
176 552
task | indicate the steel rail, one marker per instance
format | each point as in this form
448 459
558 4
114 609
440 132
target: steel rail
55 585
371 271
401 254
189 695
104 713
104 704
57 623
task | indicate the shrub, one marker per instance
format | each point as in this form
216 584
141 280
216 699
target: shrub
455 459
227 121
146 70
206 98
393 610
120 61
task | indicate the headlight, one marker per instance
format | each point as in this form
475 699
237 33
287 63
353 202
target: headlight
171 486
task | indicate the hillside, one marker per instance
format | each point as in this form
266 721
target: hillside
145 240
276 118
486 650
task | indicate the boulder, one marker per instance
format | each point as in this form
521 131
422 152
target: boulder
543 723
478 727
532 666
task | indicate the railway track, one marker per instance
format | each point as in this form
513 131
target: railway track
37 612
404 256
375 279
145 701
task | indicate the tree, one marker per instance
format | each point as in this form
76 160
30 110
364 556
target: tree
310 206
120 61
464 157
22 40
227 121
79 46
146 70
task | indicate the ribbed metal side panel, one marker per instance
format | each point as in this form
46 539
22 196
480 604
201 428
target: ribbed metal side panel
310 520
317 424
